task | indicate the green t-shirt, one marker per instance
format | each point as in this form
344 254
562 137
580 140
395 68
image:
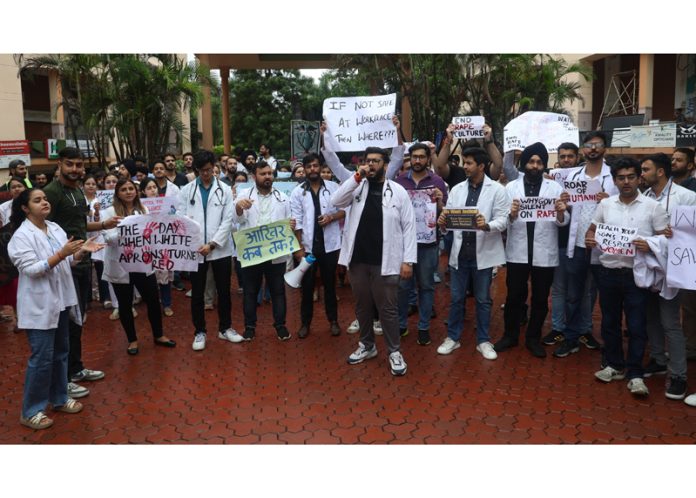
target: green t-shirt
69 209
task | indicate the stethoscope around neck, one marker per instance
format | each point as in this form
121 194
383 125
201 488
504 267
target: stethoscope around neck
219 194
275 191
384 195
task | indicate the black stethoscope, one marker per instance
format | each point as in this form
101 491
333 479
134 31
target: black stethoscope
324 191
219 194
276 194
384 195
577 173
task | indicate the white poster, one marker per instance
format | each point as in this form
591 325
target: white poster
583 191
537 209
613 239
549 128
355 123
468 127
426 215
681 249
560 174
159 242
654 136
161 205
105 198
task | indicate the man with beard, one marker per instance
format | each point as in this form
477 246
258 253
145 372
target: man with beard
615 280
265 155
532 250
261 205
420 177
40 180
318 230
17 168
69 209
379 247
178 179
165 188
683 168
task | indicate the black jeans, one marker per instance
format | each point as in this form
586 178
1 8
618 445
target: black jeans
517 277
83 283
326 264
252 276
222 274
147 286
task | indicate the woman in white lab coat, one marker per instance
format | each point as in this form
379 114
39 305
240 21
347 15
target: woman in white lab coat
42 254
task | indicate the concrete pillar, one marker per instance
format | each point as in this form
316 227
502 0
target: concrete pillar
645 85
55 91
206 122
12 121
225 78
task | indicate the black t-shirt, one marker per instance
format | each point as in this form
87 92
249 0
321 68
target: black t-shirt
318 247
531 190
368 238
456 175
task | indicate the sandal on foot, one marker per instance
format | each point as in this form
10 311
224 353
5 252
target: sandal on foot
37 422
70 406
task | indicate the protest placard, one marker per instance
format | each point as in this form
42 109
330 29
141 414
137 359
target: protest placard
468 127
560 174
264 243
161 205
355 123
426 215
159 242
613 239
461 219
305 137
583 191
105 198
534 209
549 128
681 249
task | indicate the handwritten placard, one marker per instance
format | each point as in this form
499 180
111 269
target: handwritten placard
612 239
467 127
460 219
161 205
264 243
426 215
159 242
582 191
559 175
105 198
681 249
549 128
534 209
355 123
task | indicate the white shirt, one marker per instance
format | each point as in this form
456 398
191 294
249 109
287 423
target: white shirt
302 208
671 196
643 213
5 212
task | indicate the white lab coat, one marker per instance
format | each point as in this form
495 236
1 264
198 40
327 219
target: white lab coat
494 205
250 218
113 271
545 232
398 223
217 226
302 209
43 292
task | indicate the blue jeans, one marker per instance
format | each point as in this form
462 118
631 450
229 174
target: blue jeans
617 292
459 283
423 270
46 380
572 295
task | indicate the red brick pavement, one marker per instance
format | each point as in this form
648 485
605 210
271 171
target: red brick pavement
303 391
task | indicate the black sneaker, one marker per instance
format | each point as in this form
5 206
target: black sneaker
552 338
283 333
536 349
565 349
423 337
249 333
654 368
504 344
403 332
676 388
589 341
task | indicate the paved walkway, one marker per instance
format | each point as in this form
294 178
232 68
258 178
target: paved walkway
303 391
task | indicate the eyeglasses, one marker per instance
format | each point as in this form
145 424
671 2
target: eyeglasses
593 146
370 160
419 157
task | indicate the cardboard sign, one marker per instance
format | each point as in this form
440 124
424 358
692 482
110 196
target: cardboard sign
549 128
613 239
264 243
105 198
582 191
461 219
468 127
426 215
355 123
534 209
681 249
159 242
161 205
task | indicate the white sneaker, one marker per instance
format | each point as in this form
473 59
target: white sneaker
377 327
199 341
448 346
77 391
361 354
638 387
397 363
607 374
690 400
353 327
487 351
230 335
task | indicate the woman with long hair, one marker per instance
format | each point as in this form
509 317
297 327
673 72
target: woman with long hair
42 254
127 203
